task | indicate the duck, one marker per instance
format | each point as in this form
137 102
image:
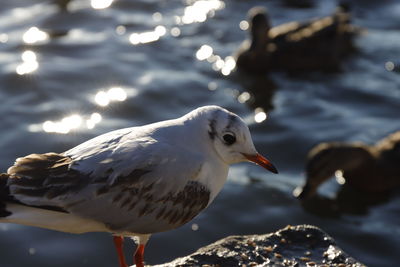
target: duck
372 169
316 44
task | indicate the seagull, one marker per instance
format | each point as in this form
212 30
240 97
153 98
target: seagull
130 182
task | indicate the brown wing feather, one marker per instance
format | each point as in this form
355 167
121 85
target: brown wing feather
39 179
42 175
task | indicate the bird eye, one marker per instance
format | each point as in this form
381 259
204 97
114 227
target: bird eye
229 139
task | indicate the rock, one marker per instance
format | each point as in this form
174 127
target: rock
302 245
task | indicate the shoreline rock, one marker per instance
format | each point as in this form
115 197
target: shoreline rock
302 245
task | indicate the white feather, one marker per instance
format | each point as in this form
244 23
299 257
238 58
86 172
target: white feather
53 220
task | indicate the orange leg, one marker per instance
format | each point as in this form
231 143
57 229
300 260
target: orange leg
118 242
139 256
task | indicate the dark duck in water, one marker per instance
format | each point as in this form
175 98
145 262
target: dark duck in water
370 169
317 44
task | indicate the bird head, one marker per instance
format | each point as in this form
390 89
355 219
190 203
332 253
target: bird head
230 137
259 22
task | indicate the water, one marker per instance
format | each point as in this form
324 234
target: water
89 51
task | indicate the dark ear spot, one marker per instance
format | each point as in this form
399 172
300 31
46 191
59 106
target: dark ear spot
212 132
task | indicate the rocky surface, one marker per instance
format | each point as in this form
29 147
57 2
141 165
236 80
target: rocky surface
302 245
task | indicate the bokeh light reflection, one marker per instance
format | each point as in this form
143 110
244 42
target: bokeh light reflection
116 94
120 29
3 38
259 115
160 30
101 4
199 10
64 126
204 52
103 98
229 65
195 227
147 37
389 66
34 35
244 97
212 86
340 177
157 16
75 121
29 63
93 120
243 25
175 31
218 63
225 66
70 123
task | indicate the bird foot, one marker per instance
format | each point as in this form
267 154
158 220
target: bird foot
139 256
119 242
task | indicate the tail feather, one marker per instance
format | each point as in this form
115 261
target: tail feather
48 217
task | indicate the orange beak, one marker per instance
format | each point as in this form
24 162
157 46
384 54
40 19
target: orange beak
260 160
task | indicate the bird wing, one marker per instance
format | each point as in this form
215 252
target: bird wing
111 174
